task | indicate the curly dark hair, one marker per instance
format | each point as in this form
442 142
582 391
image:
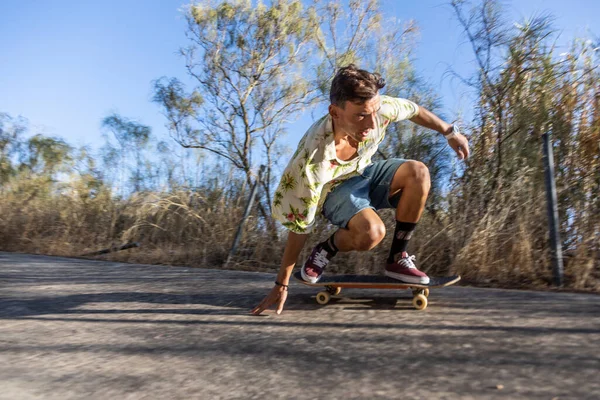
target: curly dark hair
355 85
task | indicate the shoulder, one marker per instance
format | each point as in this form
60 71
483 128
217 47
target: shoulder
397 108
394 101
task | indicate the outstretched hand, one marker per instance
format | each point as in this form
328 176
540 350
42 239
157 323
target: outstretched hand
460 145
277 295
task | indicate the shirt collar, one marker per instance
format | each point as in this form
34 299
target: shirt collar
330 153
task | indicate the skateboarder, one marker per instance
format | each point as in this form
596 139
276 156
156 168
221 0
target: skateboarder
332 173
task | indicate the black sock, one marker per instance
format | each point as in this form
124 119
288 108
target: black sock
402 235
330 246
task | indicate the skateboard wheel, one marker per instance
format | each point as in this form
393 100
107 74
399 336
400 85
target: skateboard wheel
420 302
323 298
426 292
333 290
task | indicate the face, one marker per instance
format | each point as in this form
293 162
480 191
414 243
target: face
355 120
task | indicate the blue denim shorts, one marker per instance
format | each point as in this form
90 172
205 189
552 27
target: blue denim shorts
370 189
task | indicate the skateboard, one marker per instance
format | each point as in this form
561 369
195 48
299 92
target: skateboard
334 284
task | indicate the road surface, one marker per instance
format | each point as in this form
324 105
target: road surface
79 329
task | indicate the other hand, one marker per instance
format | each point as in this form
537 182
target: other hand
460 145
277 295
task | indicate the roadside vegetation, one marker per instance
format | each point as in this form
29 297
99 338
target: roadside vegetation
256 69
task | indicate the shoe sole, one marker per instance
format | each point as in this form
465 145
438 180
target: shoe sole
308 278
407 278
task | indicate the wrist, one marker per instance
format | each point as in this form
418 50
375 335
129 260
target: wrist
446 129
451 132
283 279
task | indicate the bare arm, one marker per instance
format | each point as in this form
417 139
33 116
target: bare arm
426 118
293 247
429 120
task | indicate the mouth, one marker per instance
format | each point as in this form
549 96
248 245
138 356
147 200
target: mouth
364 134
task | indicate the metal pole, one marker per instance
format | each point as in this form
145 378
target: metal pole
238 234
552 203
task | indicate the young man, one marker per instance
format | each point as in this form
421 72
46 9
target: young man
332 173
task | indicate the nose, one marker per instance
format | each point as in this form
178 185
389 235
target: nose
370 124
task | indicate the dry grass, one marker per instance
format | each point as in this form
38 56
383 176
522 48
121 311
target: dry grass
506 247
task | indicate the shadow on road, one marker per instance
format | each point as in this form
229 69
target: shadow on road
258 321
67 308
229 304
232 293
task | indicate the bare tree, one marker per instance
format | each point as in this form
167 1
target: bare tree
357 32
245 62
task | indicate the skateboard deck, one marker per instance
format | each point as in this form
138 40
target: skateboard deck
333 285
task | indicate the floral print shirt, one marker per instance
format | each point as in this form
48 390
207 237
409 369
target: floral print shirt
315 170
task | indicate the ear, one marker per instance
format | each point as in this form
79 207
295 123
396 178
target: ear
334 111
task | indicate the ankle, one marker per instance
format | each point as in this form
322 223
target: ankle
329 245
394 258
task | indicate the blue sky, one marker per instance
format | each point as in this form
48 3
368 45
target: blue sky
64 65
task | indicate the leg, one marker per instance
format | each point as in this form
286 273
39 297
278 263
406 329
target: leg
412 178
365 231
348 205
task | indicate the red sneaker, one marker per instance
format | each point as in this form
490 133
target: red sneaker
315 265
405 270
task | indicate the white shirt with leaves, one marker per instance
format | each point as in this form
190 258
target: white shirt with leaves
315 170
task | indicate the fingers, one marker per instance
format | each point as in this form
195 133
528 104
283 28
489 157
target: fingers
262 306
462 148
268 301
465 149
282 299
259 308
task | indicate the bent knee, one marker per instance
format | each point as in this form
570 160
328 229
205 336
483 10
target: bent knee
418 173
370 236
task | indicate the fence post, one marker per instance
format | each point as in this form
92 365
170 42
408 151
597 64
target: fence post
238 234
552 203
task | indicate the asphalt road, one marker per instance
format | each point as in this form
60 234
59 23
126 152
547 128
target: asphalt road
78 329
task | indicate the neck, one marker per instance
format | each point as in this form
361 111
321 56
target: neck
341 136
